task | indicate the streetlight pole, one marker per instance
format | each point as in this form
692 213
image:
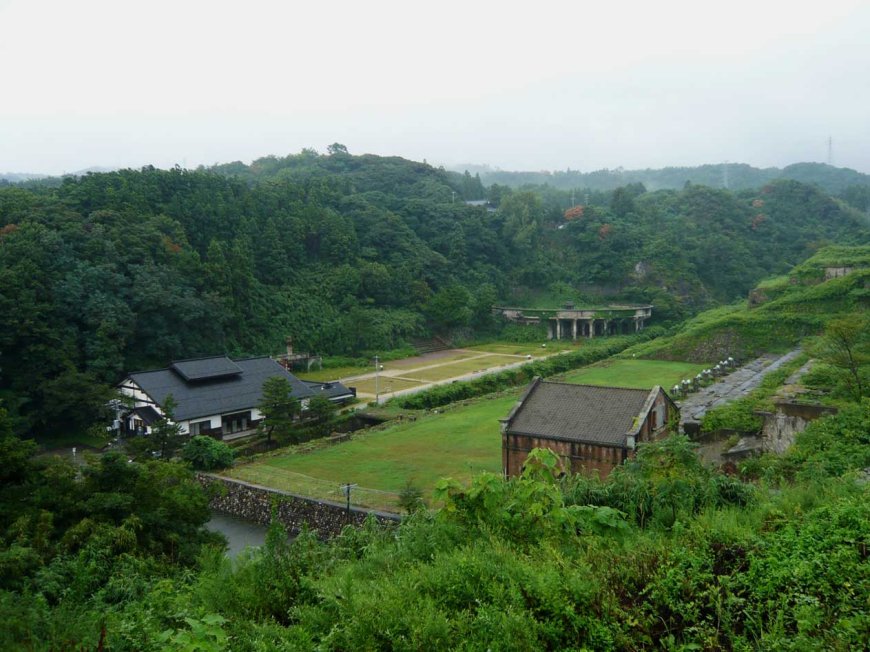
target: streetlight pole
377 381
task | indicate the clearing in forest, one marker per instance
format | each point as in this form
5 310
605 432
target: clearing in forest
457 442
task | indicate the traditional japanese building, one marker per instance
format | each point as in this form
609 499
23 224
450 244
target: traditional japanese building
213 396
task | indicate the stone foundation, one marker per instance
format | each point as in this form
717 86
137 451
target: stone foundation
254 503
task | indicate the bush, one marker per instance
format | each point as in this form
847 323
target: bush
206 454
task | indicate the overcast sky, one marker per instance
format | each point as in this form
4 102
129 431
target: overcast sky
531 85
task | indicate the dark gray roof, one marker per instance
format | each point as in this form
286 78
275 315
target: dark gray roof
587 413
221 395
330 389
206 368
148 414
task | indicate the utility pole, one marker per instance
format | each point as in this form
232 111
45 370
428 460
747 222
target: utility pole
453 197
377 381
830 151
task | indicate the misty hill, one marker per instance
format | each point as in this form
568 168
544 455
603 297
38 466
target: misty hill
17 177
349 255
735 176
392 175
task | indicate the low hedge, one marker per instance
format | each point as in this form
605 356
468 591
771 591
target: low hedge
558 364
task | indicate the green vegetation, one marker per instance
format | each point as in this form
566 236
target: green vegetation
461 441
637 374
741 414
663 552
587 353
796 311
462 438
740 176
206 454
351 255
279 409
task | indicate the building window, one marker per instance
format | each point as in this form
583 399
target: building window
238 422
198 427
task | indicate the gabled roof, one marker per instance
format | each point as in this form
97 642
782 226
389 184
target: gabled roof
148 414
222 394
583 413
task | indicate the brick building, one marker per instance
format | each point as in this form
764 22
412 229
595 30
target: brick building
593 429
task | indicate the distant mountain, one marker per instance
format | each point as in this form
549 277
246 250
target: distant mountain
735 176
93 168
15 177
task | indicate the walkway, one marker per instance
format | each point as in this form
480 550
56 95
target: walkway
733 386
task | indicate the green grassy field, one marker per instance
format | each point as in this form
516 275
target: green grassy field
333 373
457 443
637 374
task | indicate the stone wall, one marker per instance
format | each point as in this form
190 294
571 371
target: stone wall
254 503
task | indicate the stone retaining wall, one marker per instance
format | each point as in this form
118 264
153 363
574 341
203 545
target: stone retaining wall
254 503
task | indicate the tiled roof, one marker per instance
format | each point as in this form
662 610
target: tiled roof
330 389
205 368
587 413
219 395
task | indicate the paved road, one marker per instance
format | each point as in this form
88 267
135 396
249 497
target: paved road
731 387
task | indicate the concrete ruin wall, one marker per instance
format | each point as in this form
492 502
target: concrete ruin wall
790 419
254 503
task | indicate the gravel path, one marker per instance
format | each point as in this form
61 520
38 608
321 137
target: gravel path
731 387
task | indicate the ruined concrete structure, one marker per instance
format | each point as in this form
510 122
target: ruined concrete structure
569 322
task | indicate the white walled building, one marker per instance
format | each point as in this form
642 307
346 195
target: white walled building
214 396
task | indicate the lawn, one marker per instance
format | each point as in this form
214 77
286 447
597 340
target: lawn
334 373
457 443
638 374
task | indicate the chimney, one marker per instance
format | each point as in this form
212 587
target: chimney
289 347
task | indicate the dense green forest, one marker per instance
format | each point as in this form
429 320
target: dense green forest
348 254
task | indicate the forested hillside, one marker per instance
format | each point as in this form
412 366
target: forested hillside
348 254
736 176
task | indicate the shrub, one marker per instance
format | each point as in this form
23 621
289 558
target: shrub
205 453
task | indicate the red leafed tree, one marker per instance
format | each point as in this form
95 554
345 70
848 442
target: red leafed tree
574 213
